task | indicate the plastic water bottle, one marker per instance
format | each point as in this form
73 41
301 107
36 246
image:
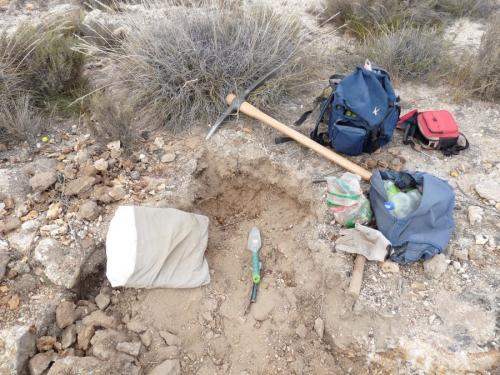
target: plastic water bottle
401 204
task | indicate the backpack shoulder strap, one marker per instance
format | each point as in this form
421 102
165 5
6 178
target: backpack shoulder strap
456 148
322 138
334 80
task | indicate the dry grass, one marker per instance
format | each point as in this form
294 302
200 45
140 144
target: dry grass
478 76
111 121
39 63
408 52
19 121
178 64
465 8
365 17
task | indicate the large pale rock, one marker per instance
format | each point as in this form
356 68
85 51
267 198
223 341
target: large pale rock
489 189
41 181
79 186
17 346
168 367
62 265
79 366
23 239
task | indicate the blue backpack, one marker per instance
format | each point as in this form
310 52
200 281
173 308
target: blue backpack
362 110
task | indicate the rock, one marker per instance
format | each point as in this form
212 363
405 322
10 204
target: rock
132 348
54 211
135 175
489 190
389 267
45 343
88 210
169 157
68 336
54 230
167 352
301 331
4 260
79 186
456 265
101 165
17 346
41 361
102 300
146 339
41 181
85 336
23 240
263 307
436 266
461 253
170 338
168 367
475 214
319 327
116 145
100 319
88 170
107 194
117 193
9 224
65 314
78 366
159 142
481 239
136 326
61 265
105 341
82 156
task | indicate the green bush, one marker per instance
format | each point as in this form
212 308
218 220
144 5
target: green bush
408 52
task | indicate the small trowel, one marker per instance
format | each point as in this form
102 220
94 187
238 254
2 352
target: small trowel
254 245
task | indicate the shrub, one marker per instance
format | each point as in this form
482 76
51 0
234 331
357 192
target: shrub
175 67
111 121
465 8
365 17
19 121
407 53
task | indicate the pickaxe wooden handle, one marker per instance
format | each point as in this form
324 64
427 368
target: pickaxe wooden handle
250 110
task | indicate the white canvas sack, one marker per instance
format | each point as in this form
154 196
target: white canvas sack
150 247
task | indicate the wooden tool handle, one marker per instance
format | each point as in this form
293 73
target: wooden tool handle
357 276
253 112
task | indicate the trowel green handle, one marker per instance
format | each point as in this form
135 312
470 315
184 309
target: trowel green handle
255 267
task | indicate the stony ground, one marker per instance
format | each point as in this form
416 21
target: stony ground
59 315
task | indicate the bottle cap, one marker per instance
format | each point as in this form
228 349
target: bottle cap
389 205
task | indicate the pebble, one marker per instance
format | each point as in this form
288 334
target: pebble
436 266
88 210
40 362
319 327
45 343
456 265
41 181
135 175
159 142
84 337
389 267
132 348
115 145
301 331
169 157
102 301
54 211
170 338
9 224
146 339
475 215
68 336
489 189
481 239
101 165
65 314
100 319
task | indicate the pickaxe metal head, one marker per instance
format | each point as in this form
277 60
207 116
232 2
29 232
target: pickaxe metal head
235 105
